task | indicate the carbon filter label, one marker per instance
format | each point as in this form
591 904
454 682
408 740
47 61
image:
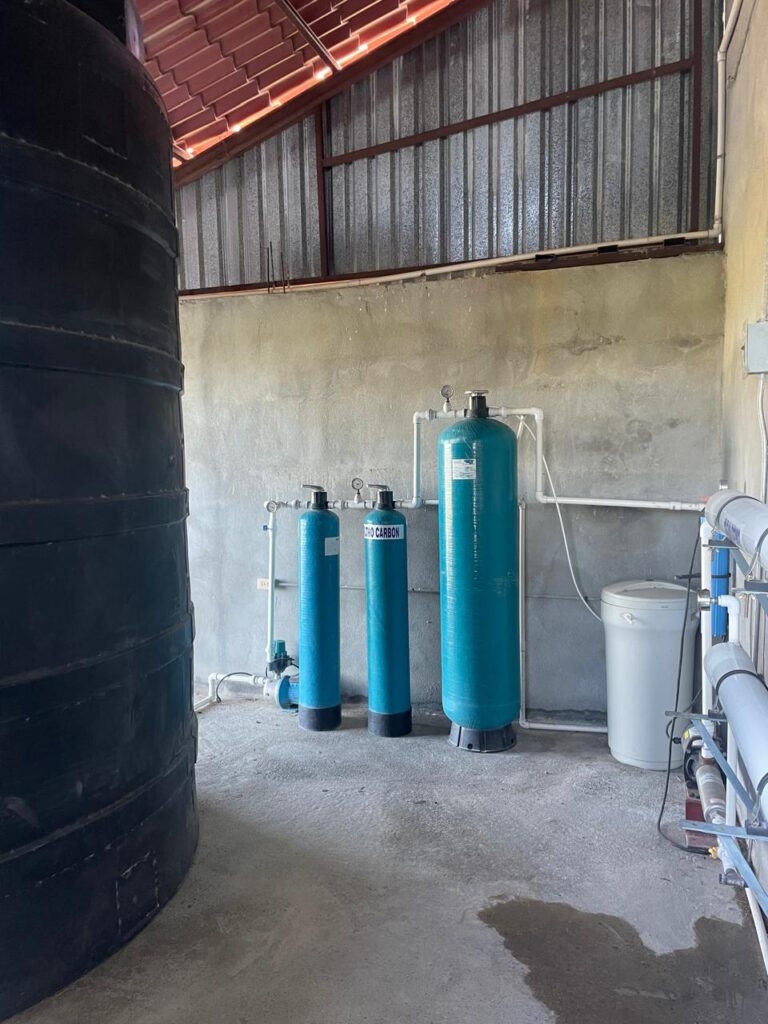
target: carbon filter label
380 531
463 469
331 545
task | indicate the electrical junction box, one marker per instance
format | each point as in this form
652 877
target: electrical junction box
756 347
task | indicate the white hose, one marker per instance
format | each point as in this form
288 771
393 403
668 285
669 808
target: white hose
576 587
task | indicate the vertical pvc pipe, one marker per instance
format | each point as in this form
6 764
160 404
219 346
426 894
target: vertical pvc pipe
271 531
416 500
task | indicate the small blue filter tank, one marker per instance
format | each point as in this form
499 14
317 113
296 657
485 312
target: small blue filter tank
319 642
386 605
480 646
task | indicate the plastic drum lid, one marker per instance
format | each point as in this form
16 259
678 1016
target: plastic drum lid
646 594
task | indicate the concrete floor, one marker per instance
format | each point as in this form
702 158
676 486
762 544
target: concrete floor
343 878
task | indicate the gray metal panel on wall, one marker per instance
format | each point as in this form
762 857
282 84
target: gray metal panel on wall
228 218
607 167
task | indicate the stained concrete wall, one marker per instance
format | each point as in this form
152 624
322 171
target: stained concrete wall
625 360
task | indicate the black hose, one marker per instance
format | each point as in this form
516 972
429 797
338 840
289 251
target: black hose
670 729
216 698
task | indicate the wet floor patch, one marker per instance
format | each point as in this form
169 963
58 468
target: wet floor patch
595 969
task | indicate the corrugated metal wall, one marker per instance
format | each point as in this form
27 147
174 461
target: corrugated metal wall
606 167
229 218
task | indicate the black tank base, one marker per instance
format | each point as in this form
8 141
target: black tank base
319 719
482 741
399 724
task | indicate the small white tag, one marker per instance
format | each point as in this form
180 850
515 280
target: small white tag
262 583
380 531
463 469
331 545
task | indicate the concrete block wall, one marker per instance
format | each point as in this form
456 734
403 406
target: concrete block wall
625 359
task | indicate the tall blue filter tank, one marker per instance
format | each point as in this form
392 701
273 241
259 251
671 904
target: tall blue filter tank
480 644
319 639
386 605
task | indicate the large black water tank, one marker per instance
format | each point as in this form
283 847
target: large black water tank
98 821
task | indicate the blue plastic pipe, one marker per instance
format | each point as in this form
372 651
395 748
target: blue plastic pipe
721 570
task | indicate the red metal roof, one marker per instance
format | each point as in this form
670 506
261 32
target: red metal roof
222 64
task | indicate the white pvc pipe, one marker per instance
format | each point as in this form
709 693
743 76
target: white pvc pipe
549 499
537 414
416 486
744 701
732 606
744 521
722 81
206 701
272 531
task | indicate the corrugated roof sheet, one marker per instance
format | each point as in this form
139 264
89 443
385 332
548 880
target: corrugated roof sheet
221 64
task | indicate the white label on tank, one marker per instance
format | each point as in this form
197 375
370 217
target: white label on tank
380 531
463 469
331 545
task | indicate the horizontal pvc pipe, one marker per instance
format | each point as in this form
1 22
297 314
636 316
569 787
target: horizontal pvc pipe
744 700
537 414
669 506
455 268
743 520
339 504
232 677
291 585
526 723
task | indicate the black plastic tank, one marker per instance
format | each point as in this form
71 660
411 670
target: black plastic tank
98 821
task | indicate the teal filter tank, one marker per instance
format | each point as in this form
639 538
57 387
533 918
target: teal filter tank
319 642
386 606
477 493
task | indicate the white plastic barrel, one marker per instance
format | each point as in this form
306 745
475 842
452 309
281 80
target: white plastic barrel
643 620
